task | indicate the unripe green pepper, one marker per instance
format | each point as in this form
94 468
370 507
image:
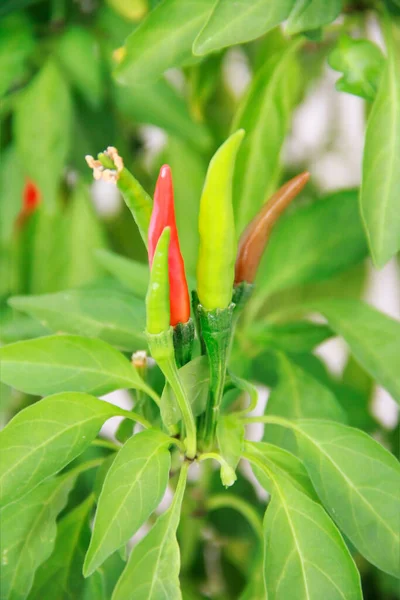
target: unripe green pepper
157 299
217 250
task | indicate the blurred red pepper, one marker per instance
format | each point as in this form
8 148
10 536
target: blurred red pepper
163 215
31 199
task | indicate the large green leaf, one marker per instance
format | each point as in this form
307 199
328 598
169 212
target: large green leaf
132 274
298 395
380 188
61 575
44 437
304 554
132 490
294 337
314 243
359 483
159 44
152 572
67 363
42 128
312 14
16 44
373 338
361 63
28 531
109 314
142 104
237 22
79 54
265 116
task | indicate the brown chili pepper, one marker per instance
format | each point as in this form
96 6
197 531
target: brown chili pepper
256 235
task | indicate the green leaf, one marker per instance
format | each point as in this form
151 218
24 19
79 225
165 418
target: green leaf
137 478
158 44
312 14
152 571
79 54
265 115
28 528
61 575
294 337
16 45
361 63
230 436
42 125
237 22
373 338
44 437
131 273
67 363
195 378
304 554
88 236
359 483
142 104
380 187
298 395
111 315
313 243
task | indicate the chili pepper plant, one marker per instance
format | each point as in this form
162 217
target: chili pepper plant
213 289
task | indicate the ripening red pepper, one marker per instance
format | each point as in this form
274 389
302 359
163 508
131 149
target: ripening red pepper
163 215
31 199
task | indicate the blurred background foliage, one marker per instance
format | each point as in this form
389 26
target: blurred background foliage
77 263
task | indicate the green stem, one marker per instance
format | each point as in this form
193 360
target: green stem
241 506
216 329
134 417
105 444
170 371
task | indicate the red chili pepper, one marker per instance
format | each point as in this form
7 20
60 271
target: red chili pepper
163 215
31 199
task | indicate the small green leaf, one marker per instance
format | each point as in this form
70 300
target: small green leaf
195 378
158 44
313 243
132 274
230 436
141 103
298 395
361 63
311 14
304 554
44 437
79 54
265 115
373 338
359 483
137 478
233 23
42 125
109 314
28 531
61 575
16 45
380 187
152 571
67 363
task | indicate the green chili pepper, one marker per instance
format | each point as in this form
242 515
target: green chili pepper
217 250
157 299
160 335
110 167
